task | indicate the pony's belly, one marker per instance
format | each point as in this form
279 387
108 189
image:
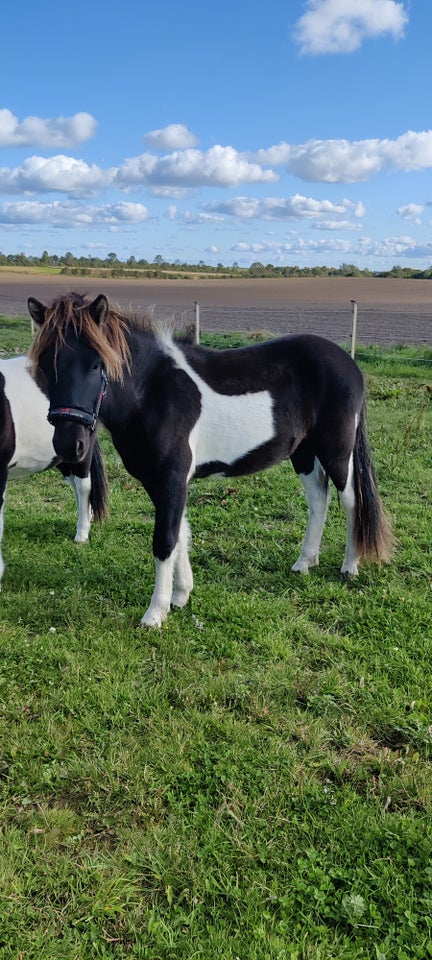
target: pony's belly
25 465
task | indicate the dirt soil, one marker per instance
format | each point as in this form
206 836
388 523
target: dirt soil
388 311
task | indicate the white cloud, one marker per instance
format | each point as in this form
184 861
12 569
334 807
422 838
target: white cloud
341 26
58 134
338 161
69 214
173 137
60 173
279 250
335 225
296 207
411 211
219 166
393 249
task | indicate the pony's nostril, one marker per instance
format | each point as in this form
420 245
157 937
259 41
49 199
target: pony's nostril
79 449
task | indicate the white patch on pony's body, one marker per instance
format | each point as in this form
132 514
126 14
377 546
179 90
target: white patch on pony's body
229 425
34 450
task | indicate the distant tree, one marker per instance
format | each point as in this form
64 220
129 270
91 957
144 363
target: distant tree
257 269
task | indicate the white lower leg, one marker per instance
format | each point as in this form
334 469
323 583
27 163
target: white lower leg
183 576
1 538
162 593
317 495
81 487
347 496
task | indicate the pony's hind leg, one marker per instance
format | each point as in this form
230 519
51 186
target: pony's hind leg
317 494
348 501
183 576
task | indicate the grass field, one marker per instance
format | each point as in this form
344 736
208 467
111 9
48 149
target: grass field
251 781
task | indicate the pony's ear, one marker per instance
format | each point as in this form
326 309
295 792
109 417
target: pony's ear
98 310
36 311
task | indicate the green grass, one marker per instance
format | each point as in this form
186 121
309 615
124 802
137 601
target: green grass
251 781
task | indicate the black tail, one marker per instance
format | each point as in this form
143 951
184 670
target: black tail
99 487
372 530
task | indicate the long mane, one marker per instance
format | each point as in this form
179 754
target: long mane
109 339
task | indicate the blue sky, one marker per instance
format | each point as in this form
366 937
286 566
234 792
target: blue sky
295 132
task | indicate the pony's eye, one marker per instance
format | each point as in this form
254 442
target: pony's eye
96 365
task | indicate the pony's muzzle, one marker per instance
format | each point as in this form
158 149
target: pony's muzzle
71 441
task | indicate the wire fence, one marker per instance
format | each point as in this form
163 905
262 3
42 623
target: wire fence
347 329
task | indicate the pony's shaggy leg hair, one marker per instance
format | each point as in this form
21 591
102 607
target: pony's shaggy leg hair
317 495
81 487
348 499
183 576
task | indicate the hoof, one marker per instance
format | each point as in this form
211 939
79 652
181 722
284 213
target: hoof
349 570
303 565
180 598
153 618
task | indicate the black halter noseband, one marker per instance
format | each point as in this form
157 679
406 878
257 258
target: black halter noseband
78 414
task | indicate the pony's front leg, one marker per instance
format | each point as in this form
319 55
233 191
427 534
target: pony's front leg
1 538
183 576
81 487
161 599
3 482
169 544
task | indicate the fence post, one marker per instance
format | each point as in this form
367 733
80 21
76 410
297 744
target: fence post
353 328
197 322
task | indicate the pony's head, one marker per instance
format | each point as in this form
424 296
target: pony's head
79 345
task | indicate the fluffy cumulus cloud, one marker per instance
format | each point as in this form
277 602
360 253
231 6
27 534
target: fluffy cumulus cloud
58 134
69 214
296 207
219 166
173 137
346 161
341 26
61 174
411 211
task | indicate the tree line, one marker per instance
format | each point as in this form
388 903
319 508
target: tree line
113 266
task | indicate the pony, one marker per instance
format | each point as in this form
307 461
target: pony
26 446
176 410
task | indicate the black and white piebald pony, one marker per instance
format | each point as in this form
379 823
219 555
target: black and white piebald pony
176 411
26 446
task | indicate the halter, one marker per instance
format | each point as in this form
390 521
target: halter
78 414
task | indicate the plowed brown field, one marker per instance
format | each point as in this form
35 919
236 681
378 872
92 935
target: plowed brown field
389 311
